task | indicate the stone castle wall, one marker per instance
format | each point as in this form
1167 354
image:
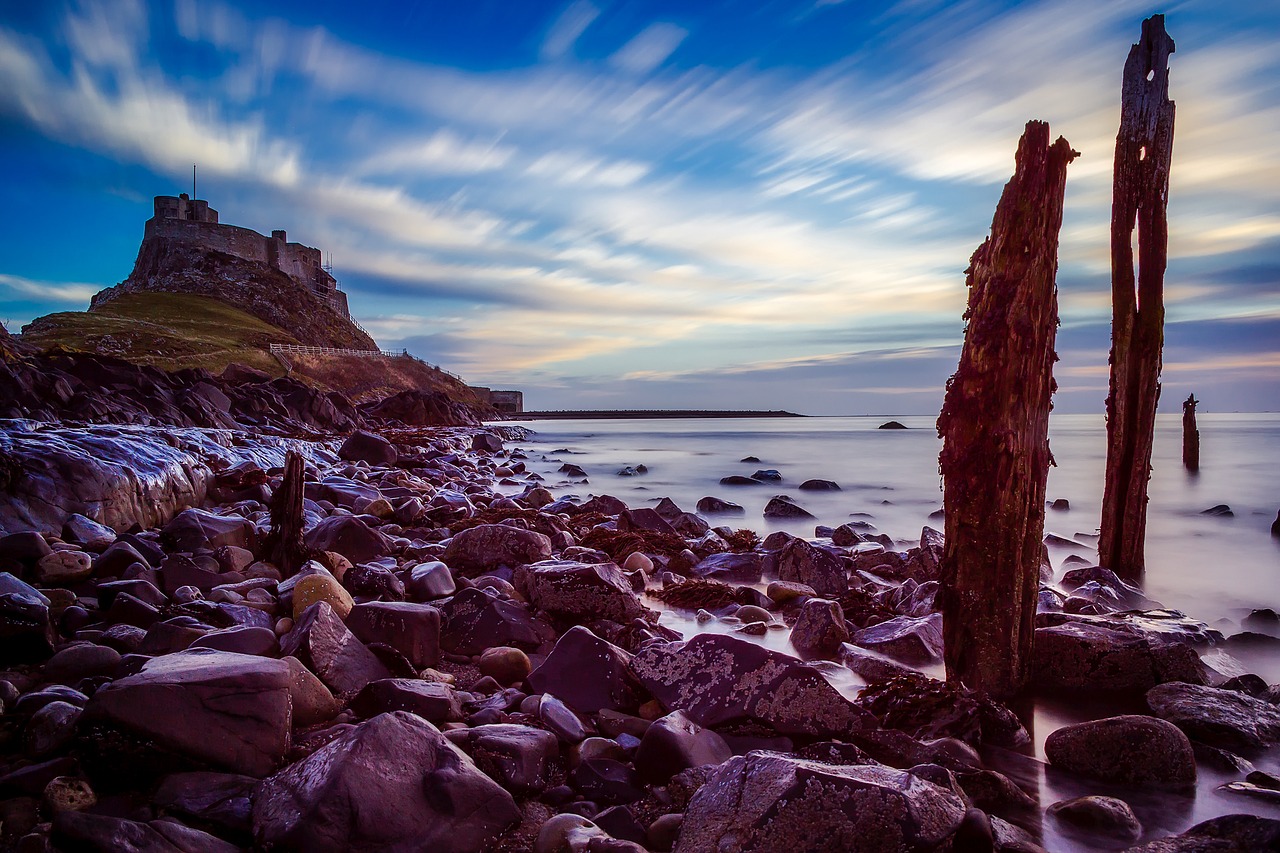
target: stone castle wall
192 221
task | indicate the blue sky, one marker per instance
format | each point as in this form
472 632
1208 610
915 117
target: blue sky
645 204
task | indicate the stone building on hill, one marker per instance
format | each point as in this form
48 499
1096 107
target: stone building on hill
194 220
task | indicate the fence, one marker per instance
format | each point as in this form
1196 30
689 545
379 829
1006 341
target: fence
298 349
368 353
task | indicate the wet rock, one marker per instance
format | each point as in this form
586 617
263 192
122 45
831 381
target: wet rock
219 799
820 629
241 639
580 590
819 486
808 564
62 568
781 506
588 673
26 634
74 830
227 710
68 794
1236 833
83 660
349 536
487 546
321 586
363 446
1129 750
604 780
643 520
198 528
768 475
476 620
718 680
429 581
312 701
505 665
393 782
1219 511
913 640
1090 817
430 700
321 641
561 719
766 802
411 629
89 534
674 743
520 758
711 505
731 568
739 480
1224 718
1077 655
50 729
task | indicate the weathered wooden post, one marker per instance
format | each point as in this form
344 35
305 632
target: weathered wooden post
1190 435
285 547
995 427
1140 196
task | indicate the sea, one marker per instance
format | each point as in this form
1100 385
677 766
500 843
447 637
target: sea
1209 548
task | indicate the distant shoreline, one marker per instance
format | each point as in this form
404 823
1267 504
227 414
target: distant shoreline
636 414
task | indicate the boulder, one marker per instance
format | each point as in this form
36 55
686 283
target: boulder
199 528
766 801
1228 719
221 799
227 710
1094 816
520 758
63 568
720 680
731 568
391 783
1077 655
1233 833
411 629
321 586
781 506
584 591
820 629
349 536
910 639
312 701
363 446
430 580
487 546
711 505
83 531
476 620
674 743
320 640
430 700
805 563
506 665
1128 750
75 830
588 674
26 634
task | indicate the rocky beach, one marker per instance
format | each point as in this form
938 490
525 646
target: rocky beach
471 658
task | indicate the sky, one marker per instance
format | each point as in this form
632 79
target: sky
738 205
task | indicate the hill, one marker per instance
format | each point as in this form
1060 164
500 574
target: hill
173 331
166 330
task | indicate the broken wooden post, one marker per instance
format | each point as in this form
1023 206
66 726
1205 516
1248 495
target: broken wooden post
285 547
1190 435
995 428
1140 195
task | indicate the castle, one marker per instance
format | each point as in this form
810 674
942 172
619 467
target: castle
194 221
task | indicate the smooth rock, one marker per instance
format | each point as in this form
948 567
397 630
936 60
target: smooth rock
1224 718
820 629
409 628
580 590
588 673
487 546
1129 750
323 643
391 783
675 743
802 562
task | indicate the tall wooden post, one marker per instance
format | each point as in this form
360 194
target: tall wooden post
284 543
1190 435
995 428
1140 196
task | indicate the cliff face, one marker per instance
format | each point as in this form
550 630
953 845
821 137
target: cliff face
169 265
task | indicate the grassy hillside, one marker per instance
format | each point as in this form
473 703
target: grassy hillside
172 331
167 330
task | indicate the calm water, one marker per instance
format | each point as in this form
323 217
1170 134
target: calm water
1213 568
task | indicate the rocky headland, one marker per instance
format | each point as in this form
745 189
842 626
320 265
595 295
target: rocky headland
471 656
